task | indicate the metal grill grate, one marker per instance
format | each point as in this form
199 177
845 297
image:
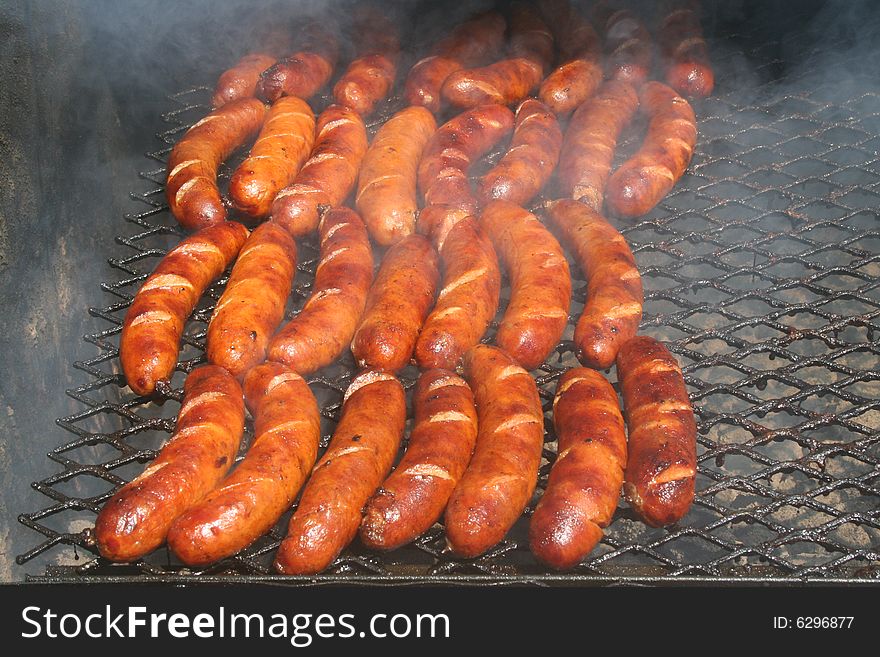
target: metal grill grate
761 274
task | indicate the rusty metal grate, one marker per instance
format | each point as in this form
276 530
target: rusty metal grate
761 274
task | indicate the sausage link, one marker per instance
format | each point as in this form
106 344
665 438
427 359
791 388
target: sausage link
503 472
324 327
305 72
533 154
467 301
685 54
613 307
282 146
453 148
356 462
387 195
252 305
398 303
414 496
469 44
662 466
584 484
241 80
643 180
540 283
628 47
588 148
153 326
191 187
329 174
135 521
245 505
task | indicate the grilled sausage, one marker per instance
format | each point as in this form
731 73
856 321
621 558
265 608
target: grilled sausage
329 174
540 283
685 54
469 44
628 47
414 496
397 305
356 462
282 146
588 147
305 72
468 299
241 80
451 151
503 472
387 196
613 307
135 521
662 461
585 480
323 329
252 305
153 326
245 505
191 187
533 154
643 180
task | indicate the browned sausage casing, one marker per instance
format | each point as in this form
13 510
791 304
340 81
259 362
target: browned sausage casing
613 307
356 462
245 505
453 148
153 326
387 195
252 305
397 305
323 329
468 299
588 148
503 472
469 44
135 521
533 154
685 53
414 496
662 462
628 47
303 73
241 80
643 180
329 174
191 187
282 146
540 283
584 484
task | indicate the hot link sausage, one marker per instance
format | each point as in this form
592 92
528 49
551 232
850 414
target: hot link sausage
685 54
245 505
584 484
282 146
356 462
191 188
662 466
533 154
241 80
414 496
468 299
540 283
613 307
329 174
135 521
153 326
397 305
643 180
628 47
588 148
469 44
306 71
387 195
324 327
252 305
503 472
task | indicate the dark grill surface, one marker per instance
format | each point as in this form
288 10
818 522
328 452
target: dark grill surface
761 274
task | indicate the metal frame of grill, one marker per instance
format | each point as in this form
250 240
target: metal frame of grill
762 275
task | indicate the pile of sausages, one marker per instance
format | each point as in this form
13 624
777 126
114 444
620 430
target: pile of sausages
446 238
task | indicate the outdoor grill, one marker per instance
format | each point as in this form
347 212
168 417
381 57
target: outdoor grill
762 275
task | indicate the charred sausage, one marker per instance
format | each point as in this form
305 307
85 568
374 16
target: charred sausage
242 79
685 53
306 71
628 47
